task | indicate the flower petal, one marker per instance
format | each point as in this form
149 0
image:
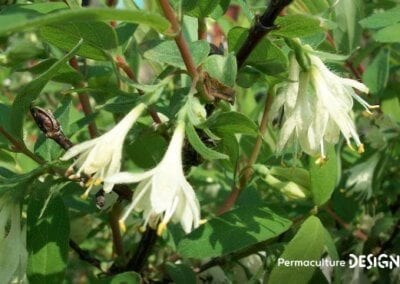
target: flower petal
125 177
79 148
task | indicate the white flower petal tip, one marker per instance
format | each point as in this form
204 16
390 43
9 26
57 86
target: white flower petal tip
163 194
100 158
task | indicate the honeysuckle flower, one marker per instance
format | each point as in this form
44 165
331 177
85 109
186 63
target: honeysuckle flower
163 193
317 107
13 253
101 157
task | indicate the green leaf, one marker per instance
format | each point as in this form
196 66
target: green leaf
347 35
222 68
297 26
32 90
22 17
266 57
233 231
122 278
231 122
307 244
323 177
376 75
199 8
199 146
329 56
66 74
181 273
97 37
382 19
168 52
147 151
391 107
389 34
124 33
120 104
47 237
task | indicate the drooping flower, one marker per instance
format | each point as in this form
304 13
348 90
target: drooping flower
163 193
317 107
101 157
13 253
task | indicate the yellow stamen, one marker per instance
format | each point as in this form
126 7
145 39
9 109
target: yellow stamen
203 221
374 107
367 113
351 147
142 229
161 228
361 149
89 183
98 181
321 160
85 195
122 226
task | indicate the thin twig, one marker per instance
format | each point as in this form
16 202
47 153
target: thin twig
247 171
179 39
114 216
357 233
84 100
143 249
202 29
85 255
21 147
262 27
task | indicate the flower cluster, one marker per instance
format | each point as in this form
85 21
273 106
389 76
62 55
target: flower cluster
163 193
317 107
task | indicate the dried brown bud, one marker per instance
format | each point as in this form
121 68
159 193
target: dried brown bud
216 89
46 121
49 125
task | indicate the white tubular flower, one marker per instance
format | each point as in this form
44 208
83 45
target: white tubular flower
101 157
316 113
13 253
335 101
163 192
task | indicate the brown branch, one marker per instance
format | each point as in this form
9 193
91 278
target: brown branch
143 249
179 39
84 100
85 255
263 25
357 233
247 171
114 216
202 29
21 147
